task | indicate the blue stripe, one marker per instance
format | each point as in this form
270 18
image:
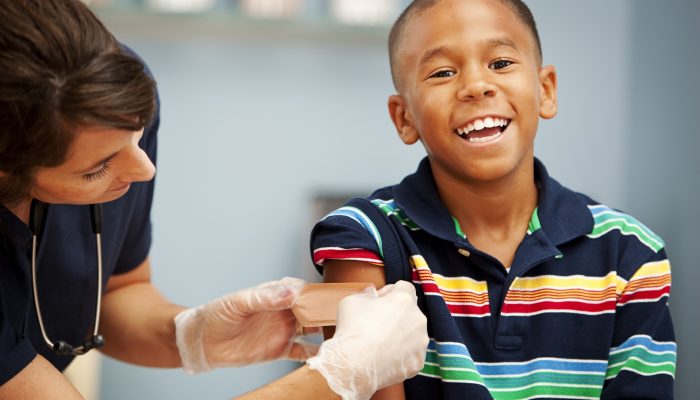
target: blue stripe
594 366
449 349
362 219
646 342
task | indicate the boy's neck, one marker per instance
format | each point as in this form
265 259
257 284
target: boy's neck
502 207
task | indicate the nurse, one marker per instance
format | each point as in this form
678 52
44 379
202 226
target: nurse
78 127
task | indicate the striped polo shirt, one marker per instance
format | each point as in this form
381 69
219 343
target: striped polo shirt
582 313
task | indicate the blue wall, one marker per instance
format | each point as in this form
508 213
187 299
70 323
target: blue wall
663 185
257 119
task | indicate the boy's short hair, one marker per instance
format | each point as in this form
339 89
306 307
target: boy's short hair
521 10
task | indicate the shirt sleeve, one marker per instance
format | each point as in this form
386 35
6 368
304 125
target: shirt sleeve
345 234
16 352
642 360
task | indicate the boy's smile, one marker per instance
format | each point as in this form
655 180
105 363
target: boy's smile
472 90
483 129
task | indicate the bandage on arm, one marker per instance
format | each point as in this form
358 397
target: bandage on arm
317 304
335 271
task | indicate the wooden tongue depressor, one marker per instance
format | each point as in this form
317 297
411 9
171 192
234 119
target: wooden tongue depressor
318 302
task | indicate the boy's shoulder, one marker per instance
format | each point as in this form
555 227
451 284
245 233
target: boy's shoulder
613 223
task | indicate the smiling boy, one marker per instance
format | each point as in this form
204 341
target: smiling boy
531 290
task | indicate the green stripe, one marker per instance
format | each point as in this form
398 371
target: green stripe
630 220
642 368
534 224
458 228
455 375
462 369
602 228
544 377
397 213
548 391
608 220
642 354
449 361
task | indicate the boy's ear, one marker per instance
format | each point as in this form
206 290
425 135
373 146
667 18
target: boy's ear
548 92
402 119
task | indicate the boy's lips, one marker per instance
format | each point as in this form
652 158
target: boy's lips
483 129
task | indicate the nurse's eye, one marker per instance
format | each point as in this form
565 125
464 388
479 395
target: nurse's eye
99 174
500 64
443 73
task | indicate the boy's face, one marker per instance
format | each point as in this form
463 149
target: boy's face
471 65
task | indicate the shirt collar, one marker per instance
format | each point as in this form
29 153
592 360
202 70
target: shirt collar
563 215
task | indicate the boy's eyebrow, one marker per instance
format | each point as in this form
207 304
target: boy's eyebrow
499 42
433 53
442 50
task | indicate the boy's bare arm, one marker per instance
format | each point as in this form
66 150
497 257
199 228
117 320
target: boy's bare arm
304 383
357 271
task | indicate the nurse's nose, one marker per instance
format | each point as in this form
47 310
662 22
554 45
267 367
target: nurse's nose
138 167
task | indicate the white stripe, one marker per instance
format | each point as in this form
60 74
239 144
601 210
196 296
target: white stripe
575 300
565 311
646 350
451 380
548 384
556 359
649 338
570 372
640 373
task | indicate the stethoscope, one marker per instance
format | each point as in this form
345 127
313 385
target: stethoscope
37 215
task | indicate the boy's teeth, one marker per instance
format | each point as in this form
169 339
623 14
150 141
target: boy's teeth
479 124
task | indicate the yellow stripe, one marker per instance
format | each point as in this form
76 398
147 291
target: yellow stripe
461 283
566 282
654 268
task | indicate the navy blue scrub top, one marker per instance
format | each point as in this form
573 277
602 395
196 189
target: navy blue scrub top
67 269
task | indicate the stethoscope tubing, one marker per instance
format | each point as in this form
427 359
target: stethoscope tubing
36 220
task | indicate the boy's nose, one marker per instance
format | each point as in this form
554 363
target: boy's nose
475 87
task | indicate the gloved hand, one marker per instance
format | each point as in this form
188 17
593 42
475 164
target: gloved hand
380 339
242 328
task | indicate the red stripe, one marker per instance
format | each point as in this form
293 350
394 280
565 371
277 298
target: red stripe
430 287
645 295
510 308
469 309
345 254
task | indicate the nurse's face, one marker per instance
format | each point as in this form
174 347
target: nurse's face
101 164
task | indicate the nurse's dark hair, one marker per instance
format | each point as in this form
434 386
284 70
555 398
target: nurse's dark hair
60 70
416 7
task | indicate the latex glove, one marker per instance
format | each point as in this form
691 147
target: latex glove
380 339
242 328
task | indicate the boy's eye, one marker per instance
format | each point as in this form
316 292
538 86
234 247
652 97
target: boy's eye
443 73
500 64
